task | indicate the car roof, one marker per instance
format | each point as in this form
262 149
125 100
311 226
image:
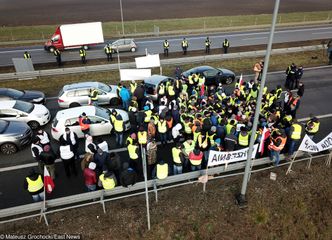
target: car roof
155 79
75 112
5 90
80 85
131 39
7 104
200 69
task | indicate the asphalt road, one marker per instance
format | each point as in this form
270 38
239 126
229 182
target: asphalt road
316 100
154 45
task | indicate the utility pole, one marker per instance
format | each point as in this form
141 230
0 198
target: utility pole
122 18
241 198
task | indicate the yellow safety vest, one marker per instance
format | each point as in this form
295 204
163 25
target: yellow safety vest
133 87
189 147
226 43
171 90
82 53
142 137
211 138
187 128
228 128
161 89
35 185
148 116
162 171
162 127
315 127
118 125
185 43
296 135
132 151
166 45
190 79
176 155
27 55
94 95
107 183
196 135
243 140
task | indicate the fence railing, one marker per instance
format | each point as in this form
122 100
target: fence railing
89 198
164 62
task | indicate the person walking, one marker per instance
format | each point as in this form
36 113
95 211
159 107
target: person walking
225 45
108 51
83 55
93 95
34 184
26 55
184 45
68 158
57 55
90 178
166 48
107 180
207 45
119 128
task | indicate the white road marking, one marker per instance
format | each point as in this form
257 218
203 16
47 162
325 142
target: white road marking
322 33
245 39
22 51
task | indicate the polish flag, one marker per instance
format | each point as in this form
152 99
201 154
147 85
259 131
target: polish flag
48 181
240 81
265 135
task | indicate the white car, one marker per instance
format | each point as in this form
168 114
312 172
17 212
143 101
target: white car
35 115
99 117
77 94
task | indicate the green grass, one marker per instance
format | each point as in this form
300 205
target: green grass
113 29
52 85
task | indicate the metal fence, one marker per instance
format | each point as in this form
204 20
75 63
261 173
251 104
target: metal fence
86 199
164 62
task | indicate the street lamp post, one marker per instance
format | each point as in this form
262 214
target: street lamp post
122 18
241 198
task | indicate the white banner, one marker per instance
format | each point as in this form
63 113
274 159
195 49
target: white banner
134 74
218 158
148 61
307 145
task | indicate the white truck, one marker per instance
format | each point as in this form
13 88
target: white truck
78 35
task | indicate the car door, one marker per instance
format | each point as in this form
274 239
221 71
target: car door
82 96
10 114
211 76
128 44
73 125
103 98
121 45
99 126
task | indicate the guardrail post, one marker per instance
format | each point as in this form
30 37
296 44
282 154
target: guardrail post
102 200
328 160
289 170
42 213
310 160
155 189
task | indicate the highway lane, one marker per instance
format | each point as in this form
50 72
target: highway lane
317 82
154 45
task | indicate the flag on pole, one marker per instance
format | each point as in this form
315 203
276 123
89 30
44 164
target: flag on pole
265 135
48 181
240 81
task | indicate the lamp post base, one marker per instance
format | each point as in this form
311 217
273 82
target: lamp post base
241 200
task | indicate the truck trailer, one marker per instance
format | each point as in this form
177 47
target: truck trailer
69 36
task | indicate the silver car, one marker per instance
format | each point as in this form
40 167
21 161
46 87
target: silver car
123 45
13 136
151 85
77 94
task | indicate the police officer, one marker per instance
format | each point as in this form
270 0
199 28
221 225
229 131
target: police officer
26 55
184 45
108 51
83 55
166 47
225 45
57 55
207 45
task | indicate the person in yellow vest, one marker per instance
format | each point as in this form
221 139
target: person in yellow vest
161 170
119 128
57 55
107 180
195 159
108 51
162 130
243 139
166 47
178 159
184 45
26 55
225 45
133 86
207 45
312 127
133 151
94 96
294 136
83 55
142 136
35 185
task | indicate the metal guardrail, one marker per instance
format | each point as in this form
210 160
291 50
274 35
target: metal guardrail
84 199
164 62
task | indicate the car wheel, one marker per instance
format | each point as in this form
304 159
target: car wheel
133 49
33 124
229 80
74 104
114 102
8 148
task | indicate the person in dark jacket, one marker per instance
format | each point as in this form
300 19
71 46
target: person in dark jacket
100 158
128 176
139 94
47 157
34 184
300 90
230 141
113 163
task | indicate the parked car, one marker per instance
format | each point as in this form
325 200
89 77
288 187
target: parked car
35 115
13 136
100 122
77 94
25 95
151 85
123 45
213 76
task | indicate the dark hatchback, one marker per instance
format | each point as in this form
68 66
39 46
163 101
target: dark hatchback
213 76
25 95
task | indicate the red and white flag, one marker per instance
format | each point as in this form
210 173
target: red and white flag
265 135
48 181
240 81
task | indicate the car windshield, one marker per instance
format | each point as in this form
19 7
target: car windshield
24 106
104 87
3 126
13 93
102 112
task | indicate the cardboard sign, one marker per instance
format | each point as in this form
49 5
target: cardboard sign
148 61
134 74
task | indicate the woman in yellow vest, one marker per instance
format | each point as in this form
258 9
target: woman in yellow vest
35 186
107 180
